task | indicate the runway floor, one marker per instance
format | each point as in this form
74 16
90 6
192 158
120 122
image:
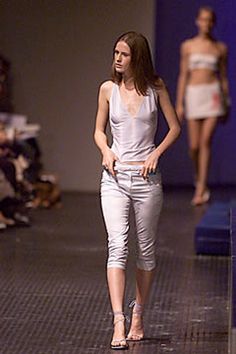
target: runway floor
53 293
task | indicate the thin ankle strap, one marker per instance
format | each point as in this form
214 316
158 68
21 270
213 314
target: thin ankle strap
137 308
116 313
121 315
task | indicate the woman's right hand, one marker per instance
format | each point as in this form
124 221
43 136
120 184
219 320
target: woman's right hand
180 112
108 160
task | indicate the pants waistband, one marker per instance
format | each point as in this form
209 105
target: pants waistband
126 167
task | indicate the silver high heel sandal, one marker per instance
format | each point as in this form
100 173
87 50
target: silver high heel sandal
137 311
116 344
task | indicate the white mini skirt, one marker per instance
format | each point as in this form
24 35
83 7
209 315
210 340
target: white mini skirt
203 101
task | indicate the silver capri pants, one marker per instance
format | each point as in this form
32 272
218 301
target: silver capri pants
117 194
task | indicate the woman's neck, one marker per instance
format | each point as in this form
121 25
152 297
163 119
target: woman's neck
128 82
205 36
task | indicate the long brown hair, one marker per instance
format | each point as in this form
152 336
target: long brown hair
141 63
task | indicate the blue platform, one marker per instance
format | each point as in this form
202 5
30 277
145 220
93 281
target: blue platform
212 234
215 234
232 348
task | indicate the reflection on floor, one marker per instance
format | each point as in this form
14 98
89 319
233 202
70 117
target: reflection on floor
53 295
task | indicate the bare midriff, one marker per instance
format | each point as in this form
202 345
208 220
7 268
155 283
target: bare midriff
132 162
201 76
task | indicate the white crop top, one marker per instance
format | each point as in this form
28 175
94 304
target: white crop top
133 137
203 61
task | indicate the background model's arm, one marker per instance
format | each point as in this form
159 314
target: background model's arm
223 69
182 80
173 133
100 137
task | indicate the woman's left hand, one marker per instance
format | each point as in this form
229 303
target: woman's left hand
227 107
150 164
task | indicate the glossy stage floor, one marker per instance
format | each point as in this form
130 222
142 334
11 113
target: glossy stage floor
53 293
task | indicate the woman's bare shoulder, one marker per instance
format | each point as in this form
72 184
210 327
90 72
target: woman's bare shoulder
106 85
222 47
187 45
106 88
160 85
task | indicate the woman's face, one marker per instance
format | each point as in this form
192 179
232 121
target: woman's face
205 22
122 57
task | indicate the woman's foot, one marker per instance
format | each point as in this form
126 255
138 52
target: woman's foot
136 332
201 197
118 340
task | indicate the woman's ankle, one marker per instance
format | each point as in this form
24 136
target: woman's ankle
137 308
118 316
200 189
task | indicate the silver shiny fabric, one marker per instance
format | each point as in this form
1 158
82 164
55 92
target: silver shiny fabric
133 136
117 194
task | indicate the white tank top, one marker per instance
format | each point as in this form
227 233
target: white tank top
133 137
203 61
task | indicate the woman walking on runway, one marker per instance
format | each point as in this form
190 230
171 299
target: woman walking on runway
202 95
131 173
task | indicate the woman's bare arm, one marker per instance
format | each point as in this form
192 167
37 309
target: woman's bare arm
100 137
171 119
223 69
173 133
182 79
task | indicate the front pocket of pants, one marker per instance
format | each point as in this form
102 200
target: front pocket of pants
108 182
105 176
154 179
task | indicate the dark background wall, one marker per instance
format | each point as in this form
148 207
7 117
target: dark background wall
174 23
61 50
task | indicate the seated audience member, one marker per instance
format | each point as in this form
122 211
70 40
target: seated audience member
12 210
23 183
